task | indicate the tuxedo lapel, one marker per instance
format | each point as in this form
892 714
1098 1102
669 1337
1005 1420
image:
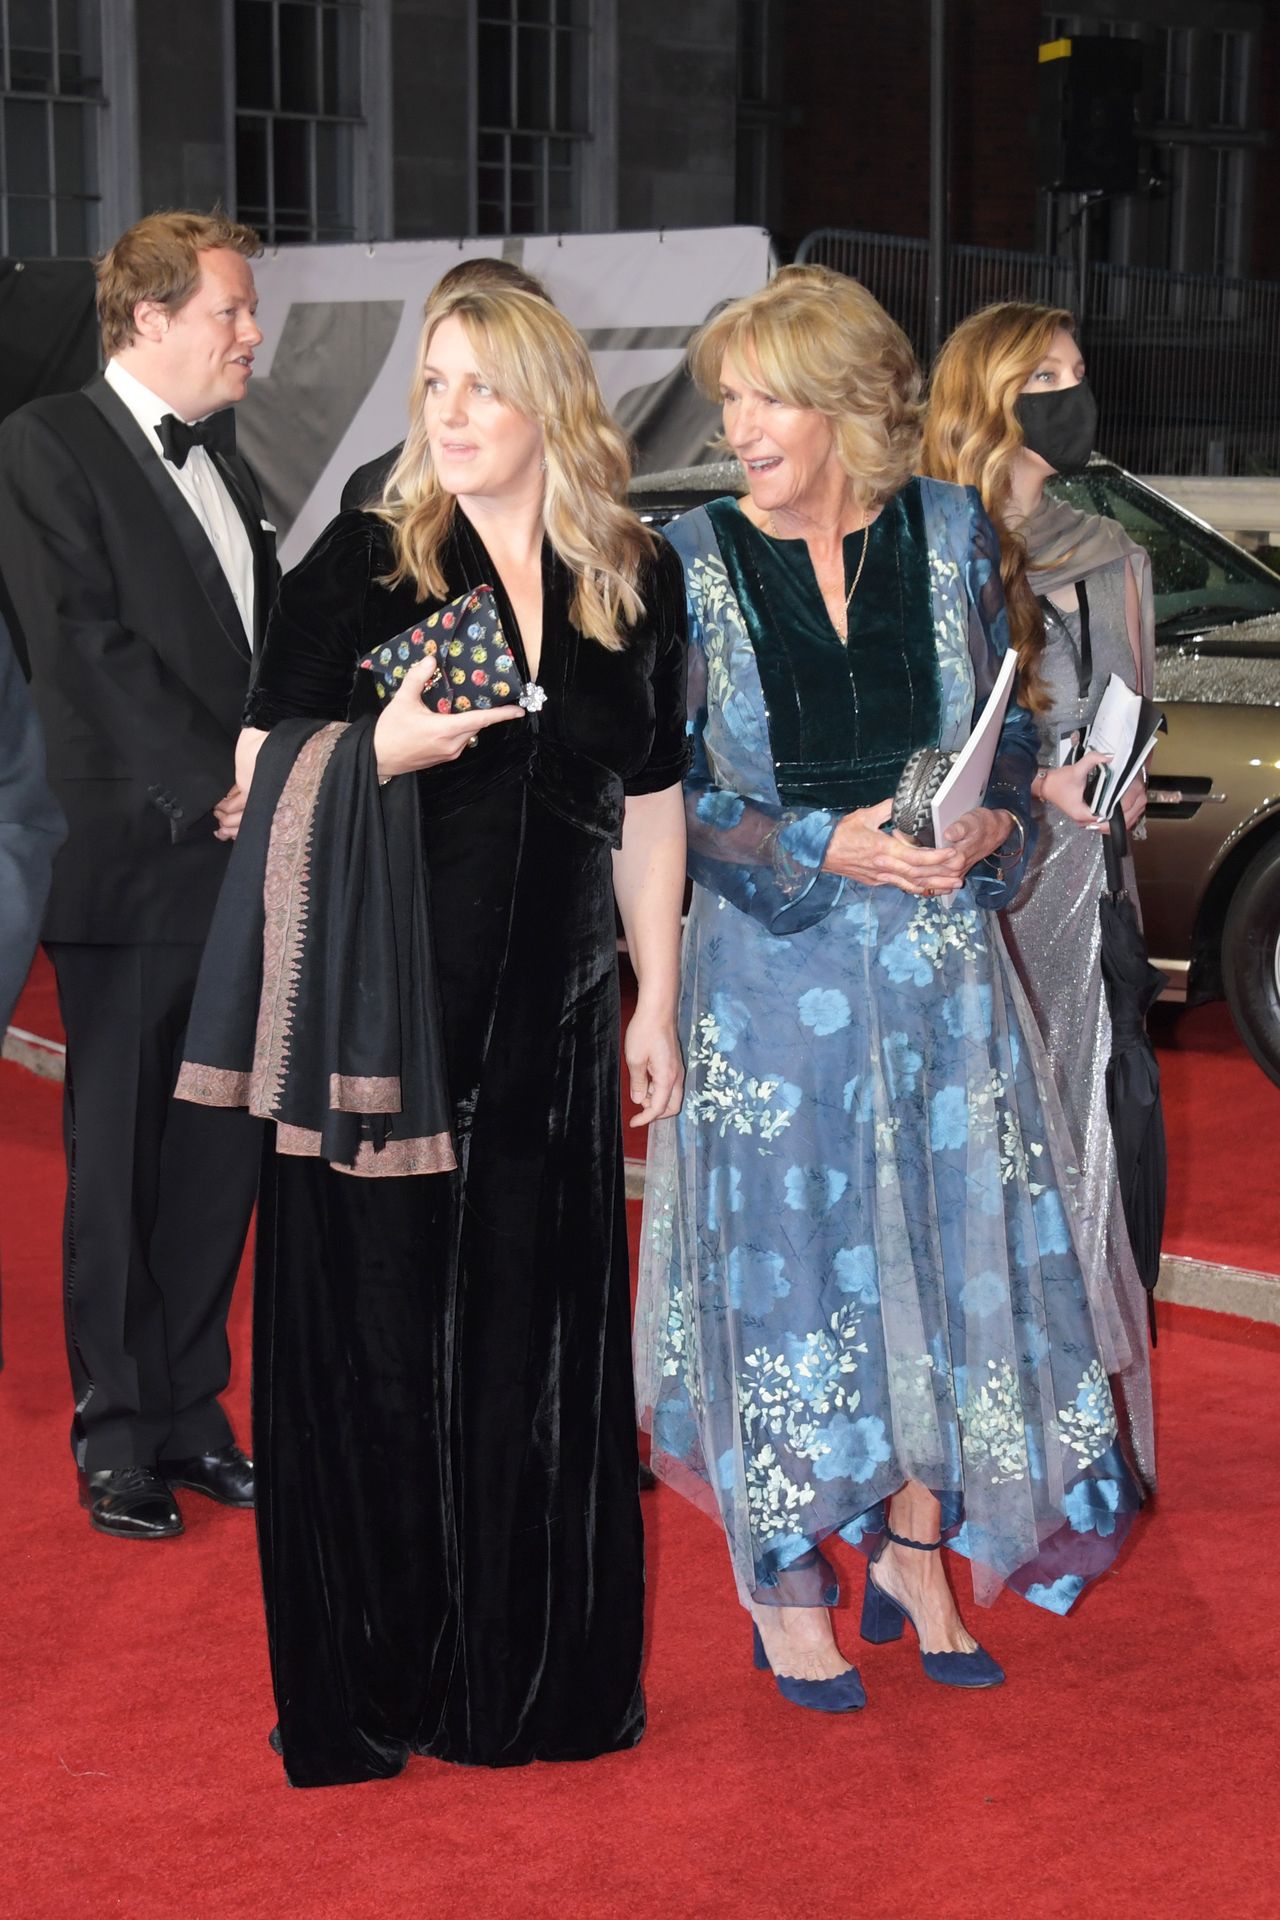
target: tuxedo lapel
192 538
242 487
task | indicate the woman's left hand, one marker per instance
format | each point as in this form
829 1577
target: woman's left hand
979 832
652 1054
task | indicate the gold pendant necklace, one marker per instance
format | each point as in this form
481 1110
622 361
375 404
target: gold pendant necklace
862 561
848 599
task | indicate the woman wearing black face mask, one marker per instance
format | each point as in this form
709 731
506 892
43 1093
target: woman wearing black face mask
1009 407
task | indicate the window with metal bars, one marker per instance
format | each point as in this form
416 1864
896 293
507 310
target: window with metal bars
299 118
1200 131
532 114
50 102
1204 145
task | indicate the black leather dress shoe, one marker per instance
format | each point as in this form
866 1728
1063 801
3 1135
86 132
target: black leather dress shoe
226 1475
133 1503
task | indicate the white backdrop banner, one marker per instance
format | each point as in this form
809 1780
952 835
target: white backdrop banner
341 324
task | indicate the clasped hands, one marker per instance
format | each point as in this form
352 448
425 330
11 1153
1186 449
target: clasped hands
858 850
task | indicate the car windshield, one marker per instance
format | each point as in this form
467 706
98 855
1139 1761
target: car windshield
1200 579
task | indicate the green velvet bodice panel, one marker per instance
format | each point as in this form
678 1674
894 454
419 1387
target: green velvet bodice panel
843 716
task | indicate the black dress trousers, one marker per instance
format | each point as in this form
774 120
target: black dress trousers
159 1197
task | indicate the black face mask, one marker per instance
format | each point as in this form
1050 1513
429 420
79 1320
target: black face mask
1060 426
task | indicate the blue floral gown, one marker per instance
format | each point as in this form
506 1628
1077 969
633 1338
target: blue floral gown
859 1262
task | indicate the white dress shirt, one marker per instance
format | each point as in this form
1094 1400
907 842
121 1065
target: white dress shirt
201 486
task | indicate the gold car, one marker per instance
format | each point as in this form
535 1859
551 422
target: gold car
1209 868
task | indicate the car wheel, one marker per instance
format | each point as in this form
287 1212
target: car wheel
1251 958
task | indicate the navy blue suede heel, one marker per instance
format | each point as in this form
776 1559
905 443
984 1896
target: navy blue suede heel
883 1619
842 1693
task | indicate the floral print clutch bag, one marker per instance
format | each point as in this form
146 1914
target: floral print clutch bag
475 668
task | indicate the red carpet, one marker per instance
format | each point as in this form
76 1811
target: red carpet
37 1009
1222 1117
1221 1112
1128 1768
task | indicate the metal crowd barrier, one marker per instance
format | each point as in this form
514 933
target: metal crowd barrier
1186 367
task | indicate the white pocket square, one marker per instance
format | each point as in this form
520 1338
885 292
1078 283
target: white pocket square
266 526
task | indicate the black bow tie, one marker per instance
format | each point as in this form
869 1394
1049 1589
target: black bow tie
216 433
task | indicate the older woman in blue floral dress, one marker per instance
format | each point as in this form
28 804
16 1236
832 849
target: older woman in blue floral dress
861 1305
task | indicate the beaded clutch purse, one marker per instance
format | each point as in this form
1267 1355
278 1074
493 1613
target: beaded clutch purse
475 668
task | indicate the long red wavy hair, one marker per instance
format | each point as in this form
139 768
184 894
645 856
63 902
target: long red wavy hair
972 436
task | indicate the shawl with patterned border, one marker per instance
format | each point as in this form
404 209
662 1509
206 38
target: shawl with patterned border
316 1005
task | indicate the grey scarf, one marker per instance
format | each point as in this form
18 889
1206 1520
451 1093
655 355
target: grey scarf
1065 545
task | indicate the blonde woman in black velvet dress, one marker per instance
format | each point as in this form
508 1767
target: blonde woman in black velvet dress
444 1418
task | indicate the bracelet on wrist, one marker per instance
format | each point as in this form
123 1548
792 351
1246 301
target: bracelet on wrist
1005 856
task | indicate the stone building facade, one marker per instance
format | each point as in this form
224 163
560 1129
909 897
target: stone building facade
381 119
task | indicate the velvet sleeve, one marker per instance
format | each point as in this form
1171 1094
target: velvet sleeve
314 637
665 614
994 886
763 858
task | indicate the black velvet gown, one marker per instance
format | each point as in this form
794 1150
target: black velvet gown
443 1407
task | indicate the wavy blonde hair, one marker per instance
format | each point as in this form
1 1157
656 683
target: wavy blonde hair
972 435
821 342
539 365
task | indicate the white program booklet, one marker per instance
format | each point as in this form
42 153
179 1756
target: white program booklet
966 784
1125 726
1113 731
1136 765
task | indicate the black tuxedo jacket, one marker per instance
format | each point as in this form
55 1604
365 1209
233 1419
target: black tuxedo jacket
138 660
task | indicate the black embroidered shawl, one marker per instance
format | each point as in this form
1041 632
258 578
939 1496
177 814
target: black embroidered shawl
316 1004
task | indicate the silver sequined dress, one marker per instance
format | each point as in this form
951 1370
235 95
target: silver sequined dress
1052 932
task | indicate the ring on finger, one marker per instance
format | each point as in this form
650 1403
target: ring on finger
474 740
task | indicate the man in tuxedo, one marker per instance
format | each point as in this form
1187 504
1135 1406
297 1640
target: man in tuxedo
367 482
141 569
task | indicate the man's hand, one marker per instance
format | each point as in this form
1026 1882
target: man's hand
228 813
248 747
